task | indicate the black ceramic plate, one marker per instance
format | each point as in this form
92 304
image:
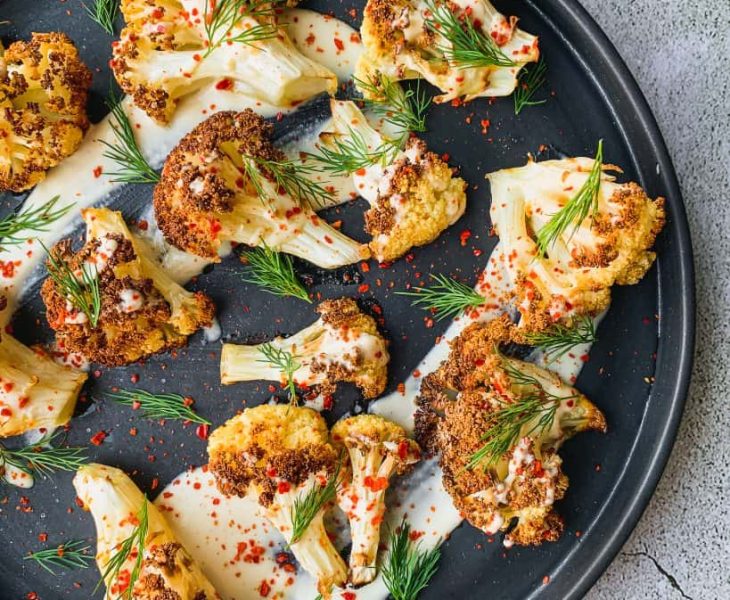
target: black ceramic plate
647 335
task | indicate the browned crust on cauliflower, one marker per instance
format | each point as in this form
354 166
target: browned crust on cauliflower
43 91
193 186
161 562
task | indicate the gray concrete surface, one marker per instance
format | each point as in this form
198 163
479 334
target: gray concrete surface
680 54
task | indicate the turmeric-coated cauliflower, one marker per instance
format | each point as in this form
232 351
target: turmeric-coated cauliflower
408 39
142 310
576 273
498 423
171 48
43 90
281 455
413 194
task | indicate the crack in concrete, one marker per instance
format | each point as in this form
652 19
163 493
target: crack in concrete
670 578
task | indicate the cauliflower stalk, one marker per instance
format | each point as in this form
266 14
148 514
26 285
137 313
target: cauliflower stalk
142 311
281 455
215 188
343 345
402 40
576 274
413 194
43 90
167 569
378 449
171 48
498 423
35 391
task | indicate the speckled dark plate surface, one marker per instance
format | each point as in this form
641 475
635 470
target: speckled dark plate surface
647 335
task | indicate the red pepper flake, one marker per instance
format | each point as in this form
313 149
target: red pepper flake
464 236
283 487
328 402
98 171
202 431
415 535
546 580
134 378
98 438
376 484
264 589
224 84
349 596
363 288
42 537
403 448
339 44
428 322
485 123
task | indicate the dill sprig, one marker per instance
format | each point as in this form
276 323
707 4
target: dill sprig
408 568
285 362
30 220
104 12
533 412
221 17
42 458
346 154
158 406
124 152
135 542
445 298
84 295
529 81
404 109
584 203
288 175
69 555
557 341
307 506
467 47
273 272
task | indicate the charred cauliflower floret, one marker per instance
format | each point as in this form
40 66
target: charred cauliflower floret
575 275
378 449
119 508
413 198
214 188
281 454
165 53
498 423
35 391
43 89
407 39
142 310
343 345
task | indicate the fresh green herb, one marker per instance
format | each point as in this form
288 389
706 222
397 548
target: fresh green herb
529 81
30 220
69 555
273 272
133 166
135 541
559 339
446 298
466 47
307 506
42 458
283 361
533 412
103 12
158 406
221 17
408 568
288 175
84 295
346 154
404 109
584 203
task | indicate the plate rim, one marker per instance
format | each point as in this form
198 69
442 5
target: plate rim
587 561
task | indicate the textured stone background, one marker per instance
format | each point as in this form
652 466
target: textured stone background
680 54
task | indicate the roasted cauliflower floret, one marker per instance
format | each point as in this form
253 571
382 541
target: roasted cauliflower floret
575 275
207 196
343 345
168 572
498 423
143 311
35 391
378 449
43 89
165 53
281 454
403 40
413 199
